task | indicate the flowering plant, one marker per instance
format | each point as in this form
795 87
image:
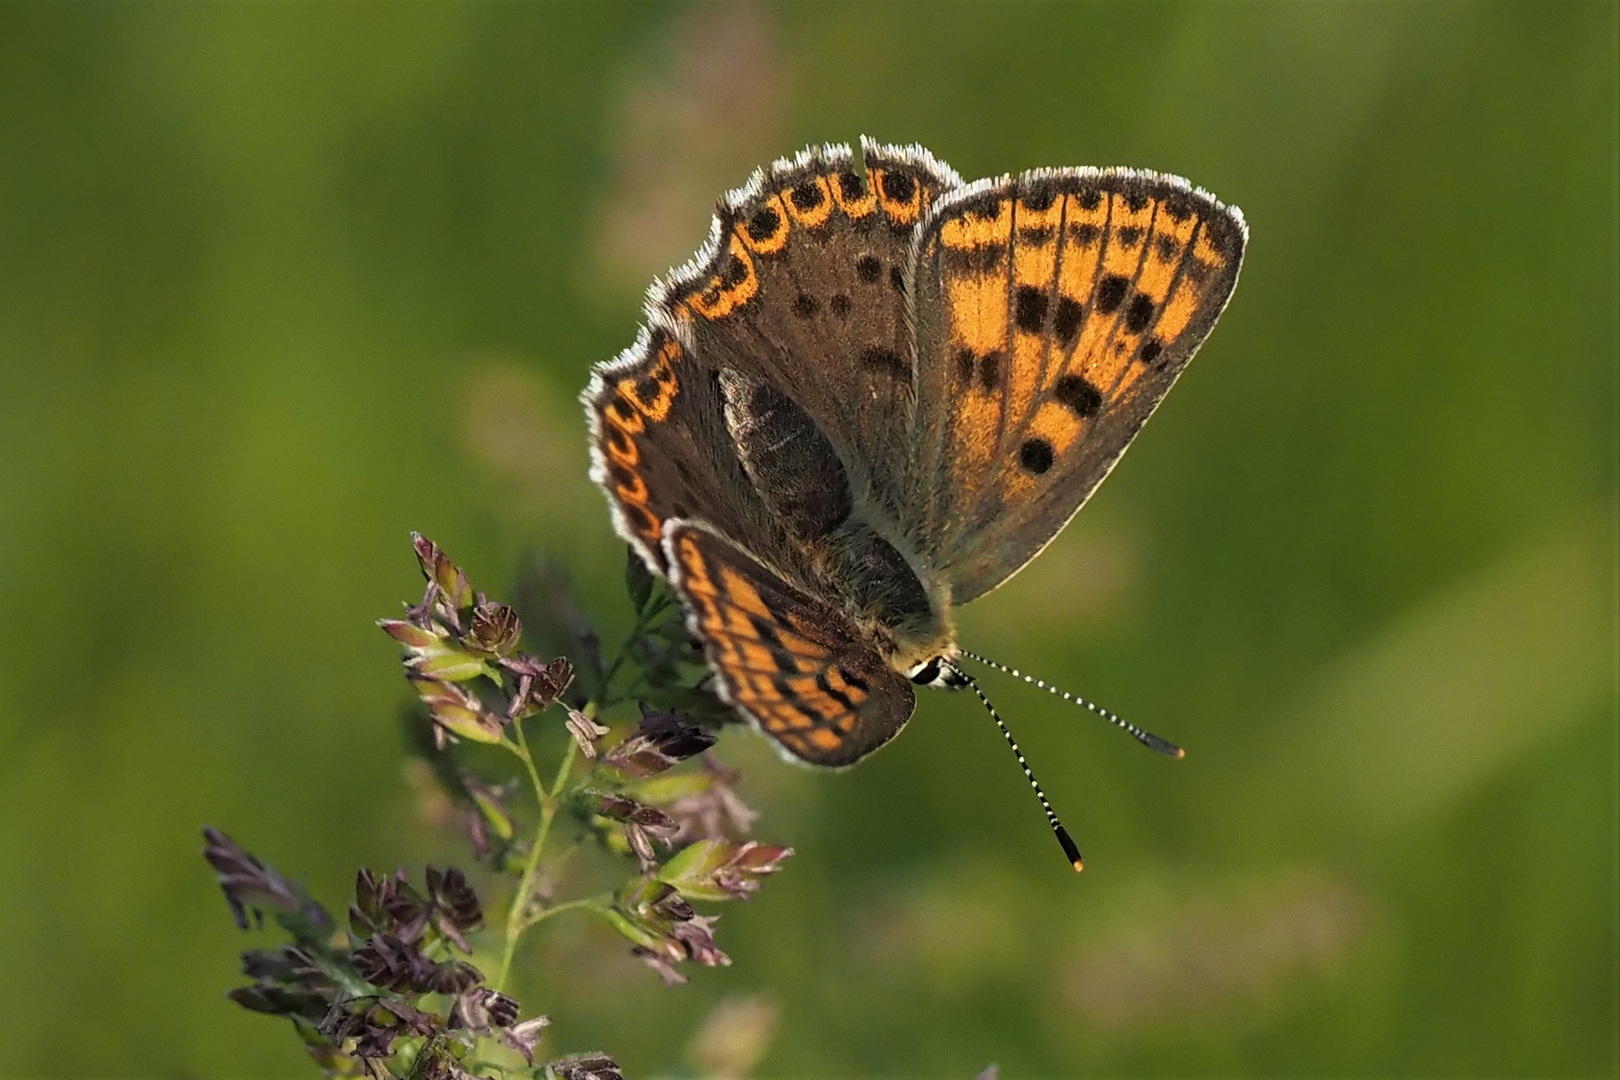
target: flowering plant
395 993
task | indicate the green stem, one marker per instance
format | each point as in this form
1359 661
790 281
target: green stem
548 811
517 919
595 903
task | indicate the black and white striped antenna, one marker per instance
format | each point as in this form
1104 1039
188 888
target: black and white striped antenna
1146 738
1070 850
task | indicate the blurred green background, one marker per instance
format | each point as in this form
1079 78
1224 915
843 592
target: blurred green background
280 283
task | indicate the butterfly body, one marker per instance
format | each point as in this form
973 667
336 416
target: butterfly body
878 393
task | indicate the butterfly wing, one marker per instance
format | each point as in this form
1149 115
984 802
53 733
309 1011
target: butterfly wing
1054 311
797 667
660 449
802 285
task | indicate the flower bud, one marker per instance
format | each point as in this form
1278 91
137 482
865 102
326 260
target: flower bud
458 712
430 651
585 732
661 741
721 869
437 568
493 630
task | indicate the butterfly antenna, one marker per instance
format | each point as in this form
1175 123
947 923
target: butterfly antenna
1070 850
1146 738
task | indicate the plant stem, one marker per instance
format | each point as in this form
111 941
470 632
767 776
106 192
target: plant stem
548 810
595 903
516 920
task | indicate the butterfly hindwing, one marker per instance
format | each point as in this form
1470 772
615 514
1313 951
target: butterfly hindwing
1053 313
796 666
802 285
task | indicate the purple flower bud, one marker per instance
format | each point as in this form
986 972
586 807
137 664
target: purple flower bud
440 571
493 630
661 741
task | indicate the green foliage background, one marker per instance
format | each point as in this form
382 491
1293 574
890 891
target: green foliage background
280 283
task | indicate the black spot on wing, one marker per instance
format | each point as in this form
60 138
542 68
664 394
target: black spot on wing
1139 314
973 261
885 361
897 185
807 195
1078 395
1040 196
1035 456
1066 323
763 223
1029 307
1111 293
990 370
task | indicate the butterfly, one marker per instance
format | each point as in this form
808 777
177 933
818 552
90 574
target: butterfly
875 394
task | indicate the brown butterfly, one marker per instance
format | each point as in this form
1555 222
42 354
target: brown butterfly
877 394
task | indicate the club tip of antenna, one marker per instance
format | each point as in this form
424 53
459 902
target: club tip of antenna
1163 746
1070 849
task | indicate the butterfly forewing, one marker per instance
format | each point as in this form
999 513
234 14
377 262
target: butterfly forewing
1053 312
803 286
660 449
793 664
